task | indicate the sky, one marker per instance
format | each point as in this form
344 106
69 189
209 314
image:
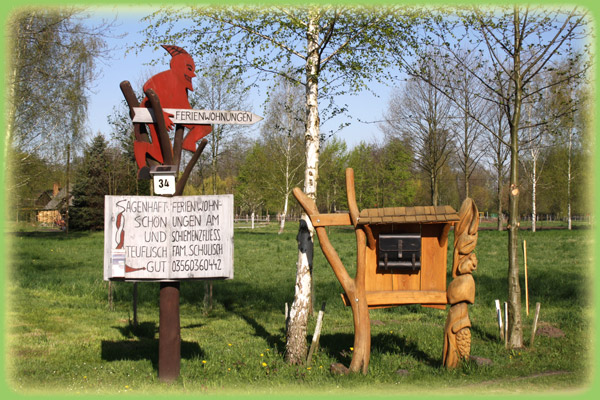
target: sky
107 95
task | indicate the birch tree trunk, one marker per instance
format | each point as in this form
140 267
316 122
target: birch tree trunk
283 214
569 220
296 344
533 192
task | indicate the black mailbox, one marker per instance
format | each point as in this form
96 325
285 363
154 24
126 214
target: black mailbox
400 251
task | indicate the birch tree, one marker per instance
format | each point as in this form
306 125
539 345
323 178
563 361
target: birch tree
334 49
53 59
568 131
534 143
53 65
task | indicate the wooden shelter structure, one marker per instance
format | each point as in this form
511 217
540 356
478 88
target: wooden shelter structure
401 260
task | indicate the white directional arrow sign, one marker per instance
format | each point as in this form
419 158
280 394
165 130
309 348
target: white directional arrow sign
197 117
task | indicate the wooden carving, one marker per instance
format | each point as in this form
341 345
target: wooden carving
461 291
165 90
172 88
152 145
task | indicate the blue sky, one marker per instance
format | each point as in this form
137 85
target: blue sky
106 93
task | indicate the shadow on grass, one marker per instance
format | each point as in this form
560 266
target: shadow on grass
337 346
146 330
51 234
547 287
486 336
143 347
273 340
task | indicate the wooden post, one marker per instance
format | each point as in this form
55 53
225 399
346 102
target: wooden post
535 321
287 315
526 287
354 288
315 340
505 324
169 338
499 315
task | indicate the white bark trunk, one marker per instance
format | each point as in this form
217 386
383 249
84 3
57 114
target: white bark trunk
533 194
569 220
288 183
296 346
283 214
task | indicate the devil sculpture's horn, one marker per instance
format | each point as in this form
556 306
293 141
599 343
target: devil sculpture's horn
173 50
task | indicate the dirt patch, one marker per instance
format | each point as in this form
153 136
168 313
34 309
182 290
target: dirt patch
31 353
546 329
481 361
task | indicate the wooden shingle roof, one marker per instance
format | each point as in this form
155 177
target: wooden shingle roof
399 215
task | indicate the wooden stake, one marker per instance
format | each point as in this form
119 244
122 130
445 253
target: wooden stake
499 315
535 321
526 288
505 324
315 340
286 317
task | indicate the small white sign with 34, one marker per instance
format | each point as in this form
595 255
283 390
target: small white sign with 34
164 184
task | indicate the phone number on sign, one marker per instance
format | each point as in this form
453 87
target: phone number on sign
195 264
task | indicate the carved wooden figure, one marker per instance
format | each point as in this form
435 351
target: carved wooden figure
167 89
461 291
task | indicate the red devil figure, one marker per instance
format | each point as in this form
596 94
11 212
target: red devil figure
171 87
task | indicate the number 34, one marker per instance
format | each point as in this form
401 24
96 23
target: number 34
163 183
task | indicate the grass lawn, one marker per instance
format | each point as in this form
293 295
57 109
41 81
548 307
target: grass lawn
62 336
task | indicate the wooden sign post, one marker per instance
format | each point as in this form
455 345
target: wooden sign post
168 239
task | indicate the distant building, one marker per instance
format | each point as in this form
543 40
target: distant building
55 206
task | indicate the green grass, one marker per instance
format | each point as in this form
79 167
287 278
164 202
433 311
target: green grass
62 337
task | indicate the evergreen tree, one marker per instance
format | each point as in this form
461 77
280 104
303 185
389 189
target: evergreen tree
90 186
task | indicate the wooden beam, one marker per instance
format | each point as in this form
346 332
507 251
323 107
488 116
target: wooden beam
402 297
331 219
351 196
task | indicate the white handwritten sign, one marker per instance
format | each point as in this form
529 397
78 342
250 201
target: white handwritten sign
191 117
168 238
